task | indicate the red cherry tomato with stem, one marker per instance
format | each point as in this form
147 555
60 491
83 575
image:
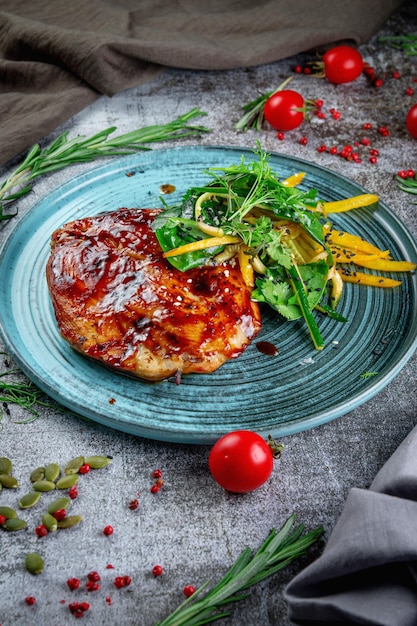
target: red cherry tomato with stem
285 110
241 461
411 121
342 64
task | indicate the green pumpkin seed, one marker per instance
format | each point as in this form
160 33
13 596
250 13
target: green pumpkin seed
50 522
65 482
70 521
43 485
52 471
30 499
37 474
74 465
10 482
14 523
5 465
8 512
59 503
34 563
98 462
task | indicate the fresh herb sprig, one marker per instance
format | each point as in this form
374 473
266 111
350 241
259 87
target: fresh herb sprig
405 42
22 393
64 152
277 551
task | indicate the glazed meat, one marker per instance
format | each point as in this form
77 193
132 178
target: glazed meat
117 300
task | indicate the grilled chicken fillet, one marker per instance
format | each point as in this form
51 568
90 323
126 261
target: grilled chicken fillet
117 300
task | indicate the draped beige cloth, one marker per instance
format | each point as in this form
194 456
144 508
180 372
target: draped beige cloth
58 56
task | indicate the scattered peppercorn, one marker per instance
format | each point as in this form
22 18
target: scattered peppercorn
157 570
30 600
73 492
73 583
189 590
41 530
108 530
84 469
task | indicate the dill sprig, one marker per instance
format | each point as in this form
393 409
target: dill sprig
23 393
64 152
278 550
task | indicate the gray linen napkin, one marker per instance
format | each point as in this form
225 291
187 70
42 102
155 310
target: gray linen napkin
367 573
57 57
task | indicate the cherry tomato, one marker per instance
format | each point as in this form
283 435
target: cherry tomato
411 121
284 110
342 64
241 461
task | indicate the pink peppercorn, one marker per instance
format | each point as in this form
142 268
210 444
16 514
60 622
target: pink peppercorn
84 469
30 600
60 514
189 590
73 583
121 581
73 492
41 530
157 570
108 530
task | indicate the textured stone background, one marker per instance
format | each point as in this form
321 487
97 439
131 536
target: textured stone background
193 528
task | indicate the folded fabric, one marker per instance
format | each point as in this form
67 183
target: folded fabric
58 57
367 573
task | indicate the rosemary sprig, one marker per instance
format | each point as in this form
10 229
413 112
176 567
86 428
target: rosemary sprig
277 551
254 110
64 152
405 42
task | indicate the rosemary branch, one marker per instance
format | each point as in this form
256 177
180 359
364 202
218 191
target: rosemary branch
64 152
405 42
278 550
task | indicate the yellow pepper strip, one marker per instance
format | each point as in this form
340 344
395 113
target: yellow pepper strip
246 267
353 242
385 265
349 256
370 280
294 180
202 244
339 206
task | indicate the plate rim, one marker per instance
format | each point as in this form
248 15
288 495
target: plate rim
284 429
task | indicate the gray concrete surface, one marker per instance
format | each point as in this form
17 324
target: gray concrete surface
192 527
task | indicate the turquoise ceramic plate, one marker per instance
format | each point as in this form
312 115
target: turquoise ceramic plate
295 390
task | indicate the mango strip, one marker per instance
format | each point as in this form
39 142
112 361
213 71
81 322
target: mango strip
202 244
340 206
367 279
